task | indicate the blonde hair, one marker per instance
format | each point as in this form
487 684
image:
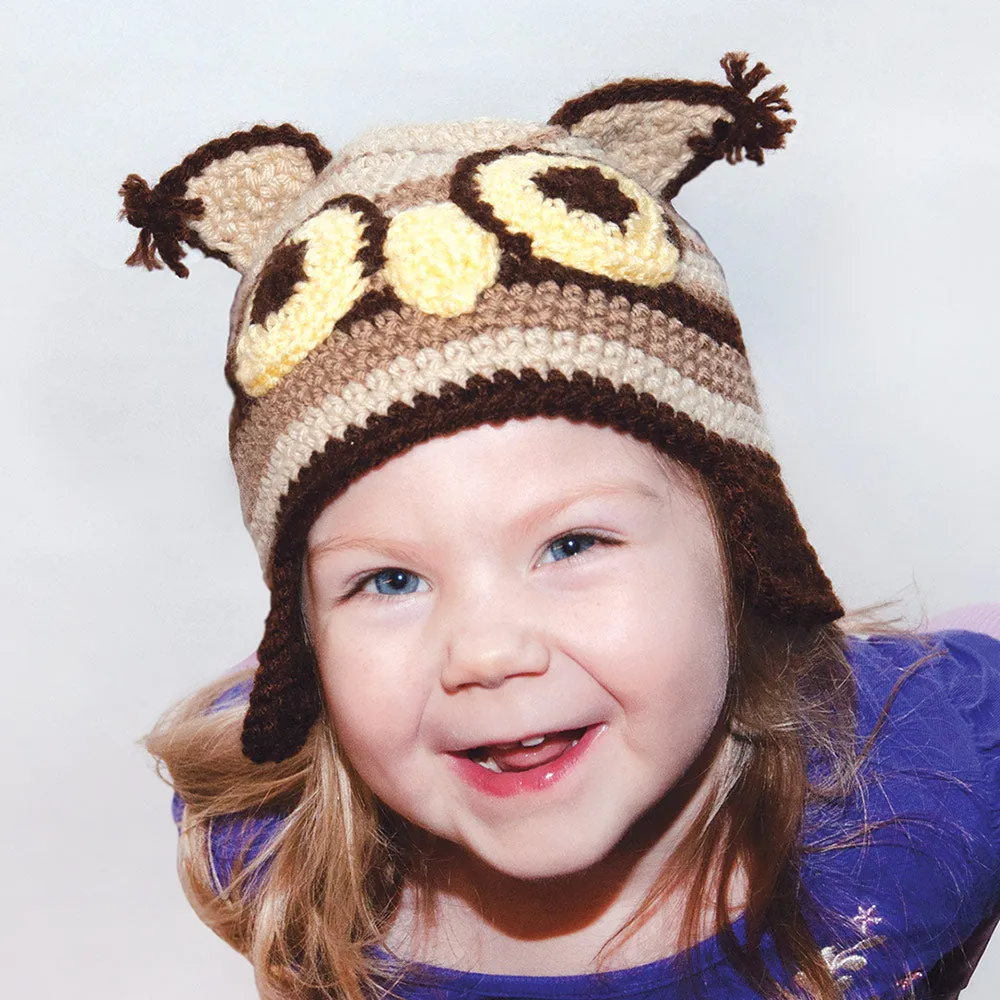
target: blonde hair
311 908
308 907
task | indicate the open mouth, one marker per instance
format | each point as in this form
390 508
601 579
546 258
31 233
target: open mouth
534 751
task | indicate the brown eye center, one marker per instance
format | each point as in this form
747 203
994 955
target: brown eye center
588 190
283 271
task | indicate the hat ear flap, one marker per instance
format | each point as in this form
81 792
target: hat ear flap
223 197
284 702
664 132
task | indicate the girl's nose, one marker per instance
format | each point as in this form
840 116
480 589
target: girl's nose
485 654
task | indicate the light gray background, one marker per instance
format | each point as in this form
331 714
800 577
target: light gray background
862 260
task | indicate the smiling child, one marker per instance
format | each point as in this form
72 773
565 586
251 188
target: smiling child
552 699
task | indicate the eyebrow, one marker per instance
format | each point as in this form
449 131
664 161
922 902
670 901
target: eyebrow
390 547
546 511
523 525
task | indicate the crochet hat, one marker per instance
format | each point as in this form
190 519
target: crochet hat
429 279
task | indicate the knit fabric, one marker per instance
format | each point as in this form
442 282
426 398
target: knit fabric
430 279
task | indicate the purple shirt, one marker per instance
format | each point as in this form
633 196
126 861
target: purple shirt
894 910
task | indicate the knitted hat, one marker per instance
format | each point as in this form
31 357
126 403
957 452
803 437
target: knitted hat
429 279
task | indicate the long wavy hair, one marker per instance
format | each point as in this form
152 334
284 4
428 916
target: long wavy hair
311 907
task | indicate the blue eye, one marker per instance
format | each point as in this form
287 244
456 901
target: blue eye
570 545
392 582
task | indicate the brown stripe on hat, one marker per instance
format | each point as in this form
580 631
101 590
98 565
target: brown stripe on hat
720 324
347 358
429 190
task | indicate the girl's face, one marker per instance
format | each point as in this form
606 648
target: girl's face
521 637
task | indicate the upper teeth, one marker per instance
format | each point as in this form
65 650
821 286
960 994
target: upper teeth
533 741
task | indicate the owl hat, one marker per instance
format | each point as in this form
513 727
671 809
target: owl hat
428 279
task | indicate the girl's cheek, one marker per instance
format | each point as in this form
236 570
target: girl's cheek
353 718
365 678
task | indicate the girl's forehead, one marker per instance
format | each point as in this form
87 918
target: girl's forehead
574 443
515 464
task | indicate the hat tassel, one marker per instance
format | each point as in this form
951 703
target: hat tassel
162 223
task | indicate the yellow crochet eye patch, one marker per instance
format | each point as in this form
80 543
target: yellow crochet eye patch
310 281
438 260
580 214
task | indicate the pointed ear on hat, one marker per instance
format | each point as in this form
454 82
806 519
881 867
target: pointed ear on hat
664 132
222 197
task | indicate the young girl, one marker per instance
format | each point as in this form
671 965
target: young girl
552 700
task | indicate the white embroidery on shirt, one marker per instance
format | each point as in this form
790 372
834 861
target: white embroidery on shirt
842 964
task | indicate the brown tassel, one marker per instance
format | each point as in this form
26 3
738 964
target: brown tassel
735 65
161 219
756 125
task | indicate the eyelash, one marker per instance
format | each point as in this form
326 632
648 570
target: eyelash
595 538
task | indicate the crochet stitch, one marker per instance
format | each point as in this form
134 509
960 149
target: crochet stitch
430 279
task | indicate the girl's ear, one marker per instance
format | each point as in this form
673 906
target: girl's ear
223 197
664 132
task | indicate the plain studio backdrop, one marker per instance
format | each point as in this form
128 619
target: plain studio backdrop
862 261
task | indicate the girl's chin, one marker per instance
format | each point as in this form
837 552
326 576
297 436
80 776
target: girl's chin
533 858
540 869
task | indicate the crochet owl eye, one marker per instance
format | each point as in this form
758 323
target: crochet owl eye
310 281
571 211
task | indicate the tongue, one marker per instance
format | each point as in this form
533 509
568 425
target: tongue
514 757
